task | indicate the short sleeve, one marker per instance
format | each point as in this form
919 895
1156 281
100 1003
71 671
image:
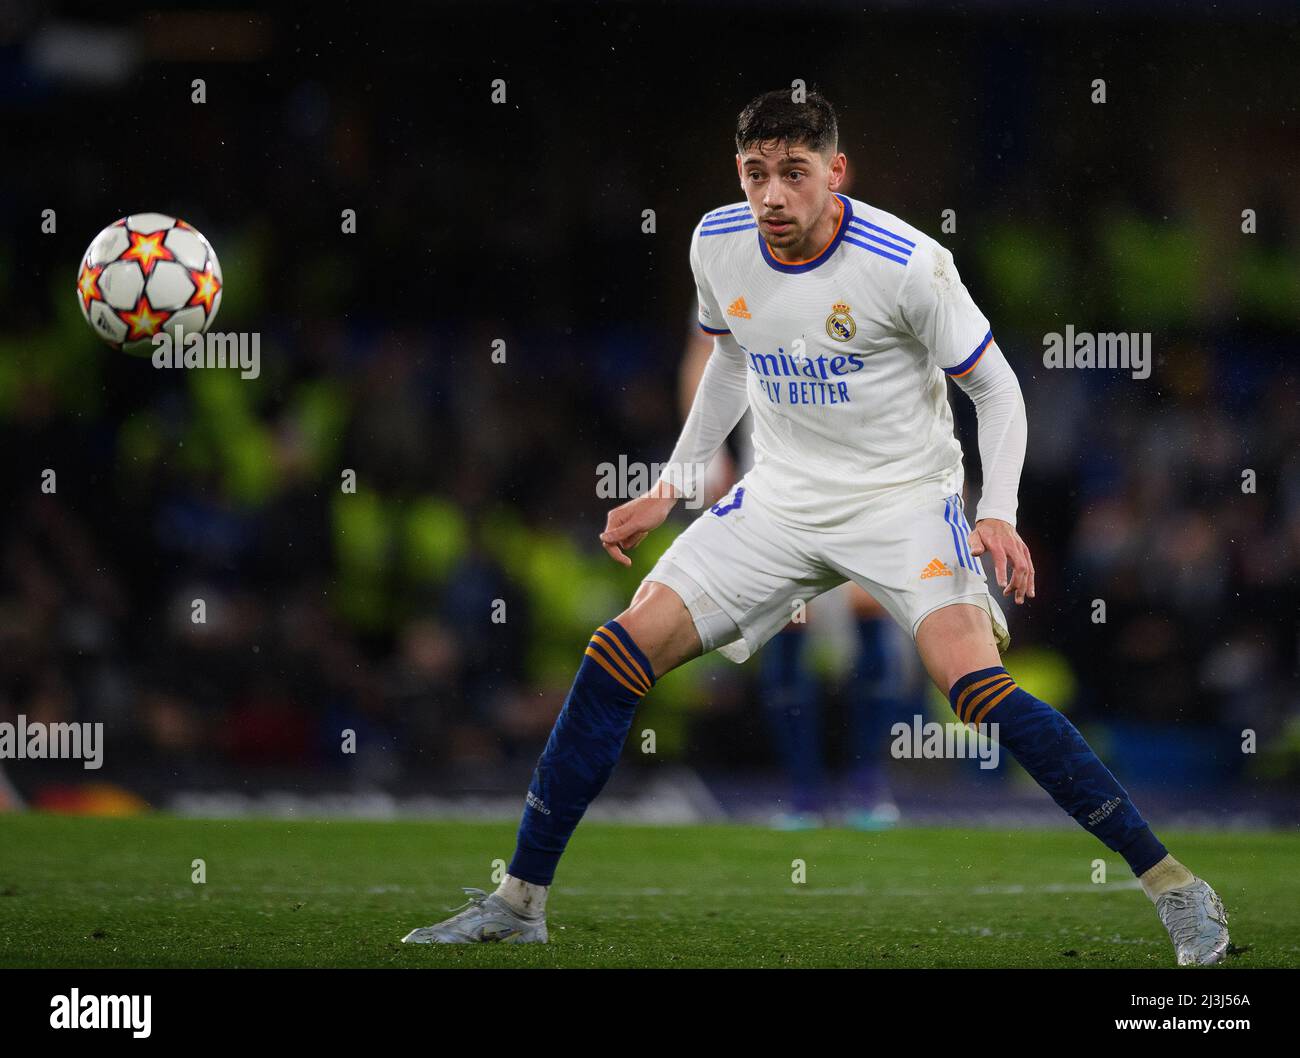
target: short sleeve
710 316
935 306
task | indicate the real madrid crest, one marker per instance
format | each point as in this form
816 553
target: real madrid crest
839 324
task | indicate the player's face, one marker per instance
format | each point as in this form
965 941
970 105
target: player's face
789 189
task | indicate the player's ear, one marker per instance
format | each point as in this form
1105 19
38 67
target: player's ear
740 172
839 166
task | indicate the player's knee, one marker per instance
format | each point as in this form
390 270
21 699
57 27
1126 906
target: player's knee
662 627
954 641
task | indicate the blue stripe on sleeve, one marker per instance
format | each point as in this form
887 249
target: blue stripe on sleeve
875 249
891 243
724 231
971 360
877 227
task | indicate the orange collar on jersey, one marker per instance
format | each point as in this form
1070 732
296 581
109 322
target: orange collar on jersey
846 214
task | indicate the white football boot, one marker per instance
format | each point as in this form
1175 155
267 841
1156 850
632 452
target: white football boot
485 919
1197 923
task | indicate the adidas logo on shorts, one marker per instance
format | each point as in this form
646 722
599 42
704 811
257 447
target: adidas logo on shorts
935 569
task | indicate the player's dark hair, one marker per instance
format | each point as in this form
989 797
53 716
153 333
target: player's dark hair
775 116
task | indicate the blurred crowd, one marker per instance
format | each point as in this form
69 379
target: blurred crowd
440 608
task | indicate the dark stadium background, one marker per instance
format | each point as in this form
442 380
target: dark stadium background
523 222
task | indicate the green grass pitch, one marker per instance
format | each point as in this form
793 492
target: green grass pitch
79 892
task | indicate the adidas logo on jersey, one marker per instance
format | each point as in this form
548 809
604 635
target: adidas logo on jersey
738 309
935 569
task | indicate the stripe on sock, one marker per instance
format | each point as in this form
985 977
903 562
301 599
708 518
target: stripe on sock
599 659
965 701
631 650
609 658
620 655
979 718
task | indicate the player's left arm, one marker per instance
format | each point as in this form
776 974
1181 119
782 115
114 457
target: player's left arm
1003 429
935 305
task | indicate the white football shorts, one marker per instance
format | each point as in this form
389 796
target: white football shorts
742 573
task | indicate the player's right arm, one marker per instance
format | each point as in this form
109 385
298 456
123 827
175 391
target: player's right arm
720 400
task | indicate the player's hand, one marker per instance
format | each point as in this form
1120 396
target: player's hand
1012 565
628 524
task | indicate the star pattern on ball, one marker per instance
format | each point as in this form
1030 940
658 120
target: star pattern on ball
206 287
137 299
143 321
88 284
147 248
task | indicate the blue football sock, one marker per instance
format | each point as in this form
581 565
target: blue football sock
584 746
789 696
874 701
1051 749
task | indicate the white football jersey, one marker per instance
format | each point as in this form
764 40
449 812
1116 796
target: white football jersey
846 355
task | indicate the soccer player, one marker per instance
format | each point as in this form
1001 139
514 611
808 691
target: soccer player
836 323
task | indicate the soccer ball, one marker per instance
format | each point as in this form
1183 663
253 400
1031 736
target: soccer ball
148 273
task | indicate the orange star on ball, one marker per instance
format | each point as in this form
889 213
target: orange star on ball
88 284
148 249
206 288
144 320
